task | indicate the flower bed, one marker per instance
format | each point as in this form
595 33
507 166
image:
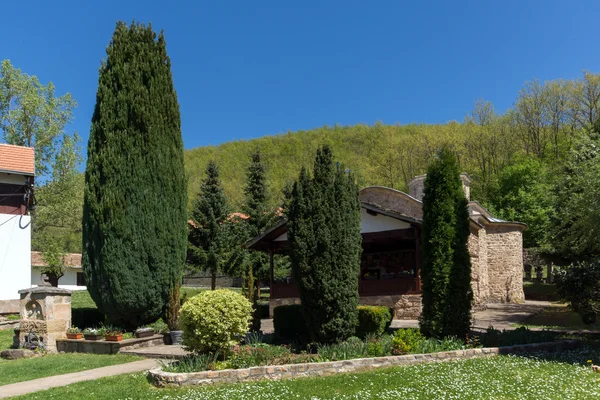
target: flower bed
162 378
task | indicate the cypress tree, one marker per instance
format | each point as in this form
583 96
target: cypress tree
134 216
208 239
260 217
446 269
324 230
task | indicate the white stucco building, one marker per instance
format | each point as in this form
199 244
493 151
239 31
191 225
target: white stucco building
17 171
73 277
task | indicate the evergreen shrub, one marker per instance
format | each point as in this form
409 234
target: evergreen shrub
373 320
289 324
86 317
135 195
215 321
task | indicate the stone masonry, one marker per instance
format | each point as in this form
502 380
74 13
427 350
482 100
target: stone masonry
505 264
161 378
45 315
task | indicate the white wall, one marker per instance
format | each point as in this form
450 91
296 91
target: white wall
15 255
67 281
370 223
13 179
379 223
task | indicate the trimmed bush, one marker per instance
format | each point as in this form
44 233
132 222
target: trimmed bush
373 320
215 320
289 324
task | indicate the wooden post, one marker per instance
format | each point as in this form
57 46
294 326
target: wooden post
271 269
418 257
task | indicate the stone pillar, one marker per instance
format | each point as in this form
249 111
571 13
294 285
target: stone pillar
45 316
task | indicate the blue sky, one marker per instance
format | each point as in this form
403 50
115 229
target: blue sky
248 69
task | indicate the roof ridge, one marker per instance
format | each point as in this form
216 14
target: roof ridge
16 145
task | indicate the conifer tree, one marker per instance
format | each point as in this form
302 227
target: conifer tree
446 270
260 217
209 237
324 231
134 217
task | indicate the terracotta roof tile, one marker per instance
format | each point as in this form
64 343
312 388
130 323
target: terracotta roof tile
72 260
17 159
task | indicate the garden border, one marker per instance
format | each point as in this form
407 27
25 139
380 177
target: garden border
161 378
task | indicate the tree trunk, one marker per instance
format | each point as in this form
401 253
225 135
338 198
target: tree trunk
53 279
258 289
213 280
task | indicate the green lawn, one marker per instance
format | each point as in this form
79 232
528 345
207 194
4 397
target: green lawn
12 371
503 377
6 339
82 298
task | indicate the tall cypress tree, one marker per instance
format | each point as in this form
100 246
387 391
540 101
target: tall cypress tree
446 270
134 218
260 216
208 239
324 230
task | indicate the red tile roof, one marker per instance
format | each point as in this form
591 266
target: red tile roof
72 260
17 159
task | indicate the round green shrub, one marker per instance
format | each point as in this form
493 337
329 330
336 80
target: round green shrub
214 320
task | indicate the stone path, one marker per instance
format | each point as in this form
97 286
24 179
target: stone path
159 352
500 316
21 388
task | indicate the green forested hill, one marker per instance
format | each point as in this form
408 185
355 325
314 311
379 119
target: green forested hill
378 154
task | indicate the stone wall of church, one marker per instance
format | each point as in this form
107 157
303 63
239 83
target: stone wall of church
505 264
479 268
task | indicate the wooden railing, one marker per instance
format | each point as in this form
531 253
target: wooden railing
384 287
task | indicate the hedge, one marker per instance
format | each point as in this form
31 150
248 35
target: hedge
290 326
373 320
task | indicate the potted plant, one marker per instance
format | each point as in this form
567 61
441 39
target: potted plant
113 335
93 334
172 315
74 333
144 331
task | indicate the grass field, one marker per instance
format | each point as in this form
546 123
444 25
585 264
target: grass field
503 377
6 339
12 371
82 298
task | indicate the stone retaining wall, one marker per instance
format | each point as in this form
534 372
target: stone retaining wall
10 306
276 372
104 347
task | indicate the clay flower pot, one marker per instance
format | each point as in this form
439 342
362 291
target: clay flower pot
77 336
113 338
144 332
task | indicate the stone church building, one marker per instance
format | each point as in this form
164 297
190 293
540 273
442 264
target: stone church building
391 260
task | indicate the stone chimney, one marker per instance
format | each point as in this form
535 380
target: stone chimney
417 184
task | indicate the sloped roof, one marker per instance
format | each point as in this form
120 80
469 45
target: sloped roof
17 159
72 260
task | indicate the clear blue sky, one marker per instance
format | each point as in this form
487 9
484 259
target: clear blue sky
246 69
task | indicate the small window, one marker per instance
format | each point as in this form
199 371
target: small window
80 280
